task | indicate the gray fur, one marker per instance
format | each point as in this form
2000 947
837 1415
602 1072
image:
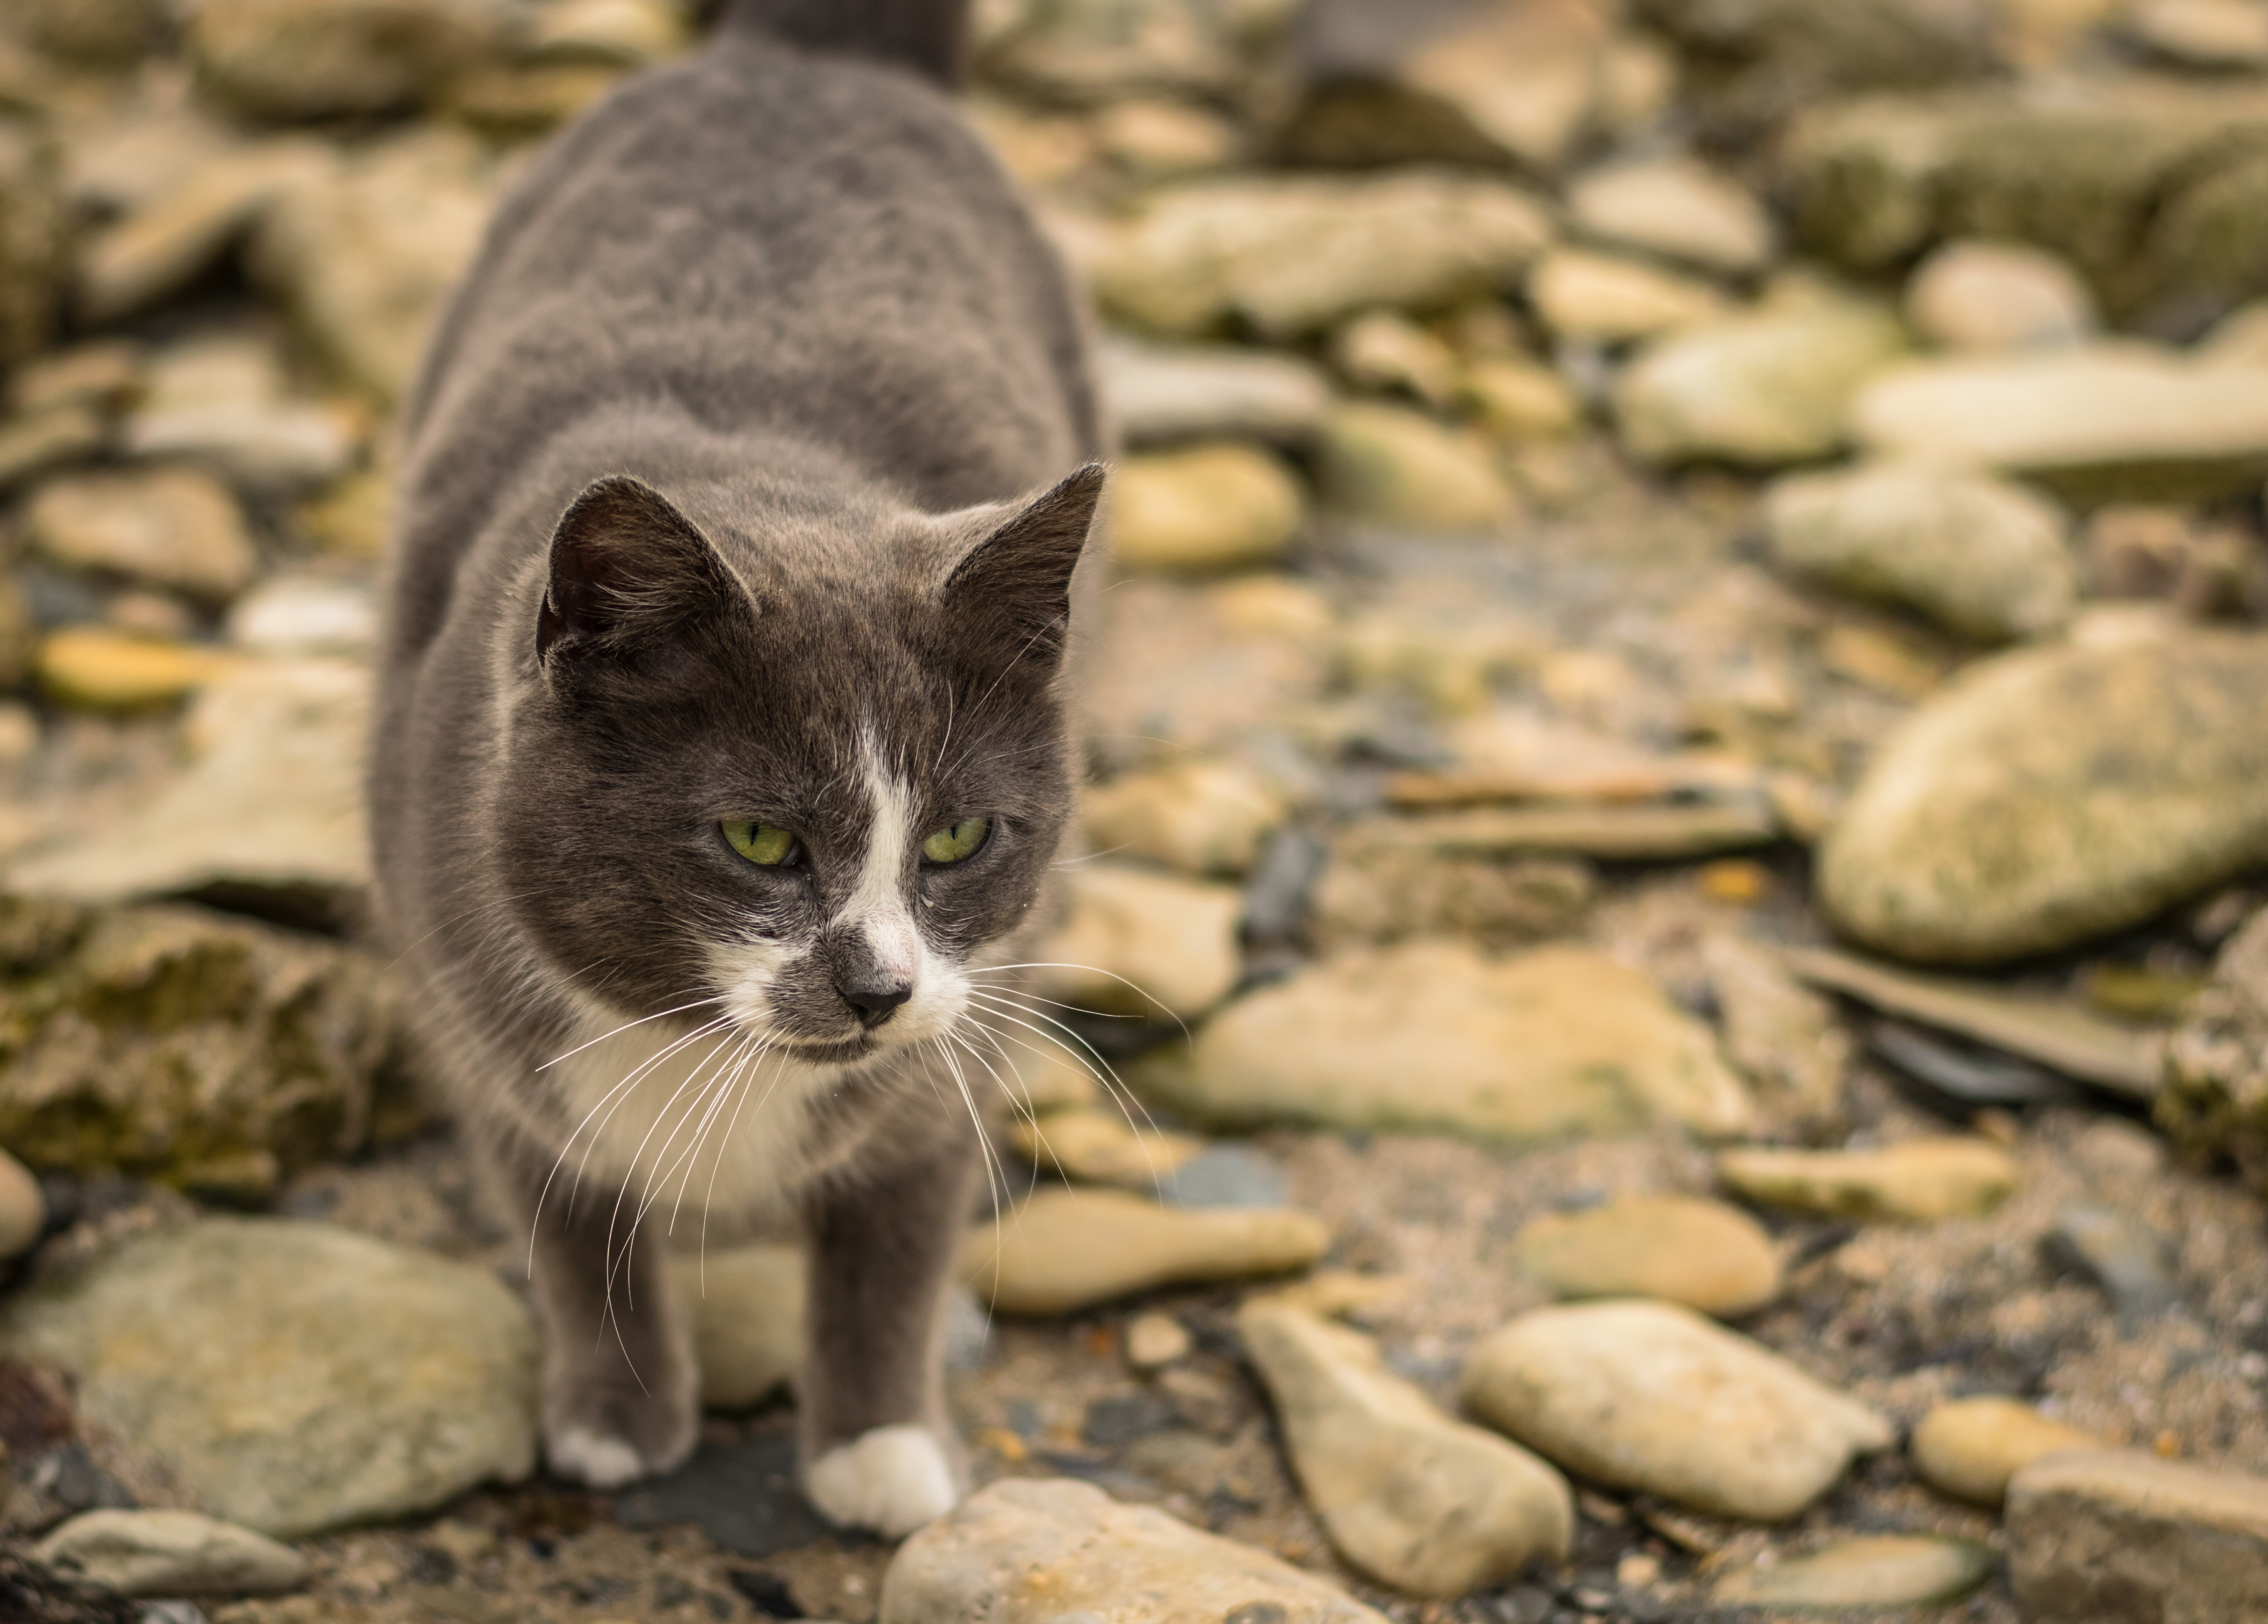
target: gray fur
722 498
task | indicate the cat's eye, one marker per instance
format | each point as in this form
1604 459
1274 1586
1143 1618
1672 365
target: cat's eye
763 843
956 841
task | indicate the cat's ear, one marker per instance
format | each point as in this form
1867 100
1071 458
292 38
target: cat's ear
1015 583
626 568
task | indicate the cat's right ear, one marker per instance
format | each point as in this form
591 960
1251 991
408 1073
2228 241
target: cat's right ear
627 569
1014 585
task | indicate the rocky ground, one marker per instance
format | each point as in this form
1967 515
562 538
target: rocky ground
1675 757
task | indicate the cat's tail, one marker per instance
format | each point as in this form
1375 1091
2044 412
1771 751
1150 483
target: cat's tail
928 36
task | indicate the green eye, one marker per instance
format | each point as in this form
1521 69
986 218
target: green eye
765 843
957 840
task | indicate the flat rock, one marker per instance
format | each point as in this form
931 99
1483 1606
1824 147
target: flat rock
1984 557
1385 352
1290 253
1413 1499
1204 509
1920 1181
2112 420
1099 1146
1030 1550
1702 1253
303 59
1401 470
1989 295
1140 942
223 402
174 528
2052 796
747 1308
1677 208
170 1554
1764 389
295 1378
89 668
1379 891
1165 394
1609 299
1872 1571
1197 814
1651 1397
1970 1448
1432 1036
1785 1038
2108 1536
1063 1250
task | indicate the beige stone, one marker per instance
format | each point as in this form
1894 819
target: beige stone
1701 1253
1986 295
1399 468
1677 208
1144 944
1064 1250
1385 351
1413 1499
1970 1448
1194 814
1099 1146
1785 1038
299 59
1165 394
170 1554
2104 1536
746 1307
1651 1397
1919 1182
1872 1572
1579 293
1205 509
97 669
174 528
1522 399
1154 1341
23 1209
158 250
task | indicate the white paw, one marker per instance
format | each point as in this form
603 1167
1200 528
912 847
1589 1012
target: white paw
594 1458
891 1479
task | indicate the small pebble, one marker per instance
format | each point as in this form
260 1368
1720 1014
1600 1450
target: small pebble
1878 1571
1920 1181
23 1209
1702 1253
1154 1341
1970 1448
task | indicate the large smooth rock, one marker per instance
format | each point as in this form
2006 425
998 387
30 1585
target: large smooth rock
2113 1536
747 1309
1873 1572
1167 394
170 1554
185 1046
1415 1500
1970 1448
1030 1550
301 59
1984 557
1144 944
1702 1253
1290 253
1401 469
1763 389
1677 208
169 528
1105 1145
1431 1035
1988 296
1651 1397
295 1378
1063 1250
1204 510
1920 1181
267 816
2113 420
2052 796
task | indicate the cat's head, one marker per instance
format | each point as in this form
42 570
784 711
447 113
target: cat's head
794 768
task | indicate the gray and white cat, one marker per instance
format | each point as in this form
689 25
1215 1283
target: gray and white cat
723 755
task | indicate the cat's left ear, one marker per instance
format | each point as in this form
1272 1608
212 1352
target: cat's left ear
1015 585
627 570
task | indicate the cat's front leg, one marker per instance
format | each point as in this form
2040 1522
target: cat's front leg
878 1450
621 1393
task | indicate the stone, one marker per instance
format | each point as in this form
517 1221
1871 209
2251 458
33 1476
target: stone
362 258
94 670
1083 54
1701 1253
1677 208
294 1378
1970 1448
1204 509
626 33
1520 399
1989 295
105 376
1653 1397
2052 796
2133 1266
1622 833
161 248
1196 815
23 1208
1762 389
1160 140
1783 1038
2213 1101
170 1554
2238 339
1154 1341
34 241
310 59
1099 1146
36 443
1400 469
303 614
2201 33
221 401
1869 1572
743 1493
266 815
1411 1498
747 1309
1590 296
1290 253
173 528
1385 352
1226 1175
1030 1550
2108 1536
2113 420
2053 1031
1164 394
1918 1181
1984 557
1495 82
1065 1250
1374 890
1433 1036
91 33
1143 943
194 1048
